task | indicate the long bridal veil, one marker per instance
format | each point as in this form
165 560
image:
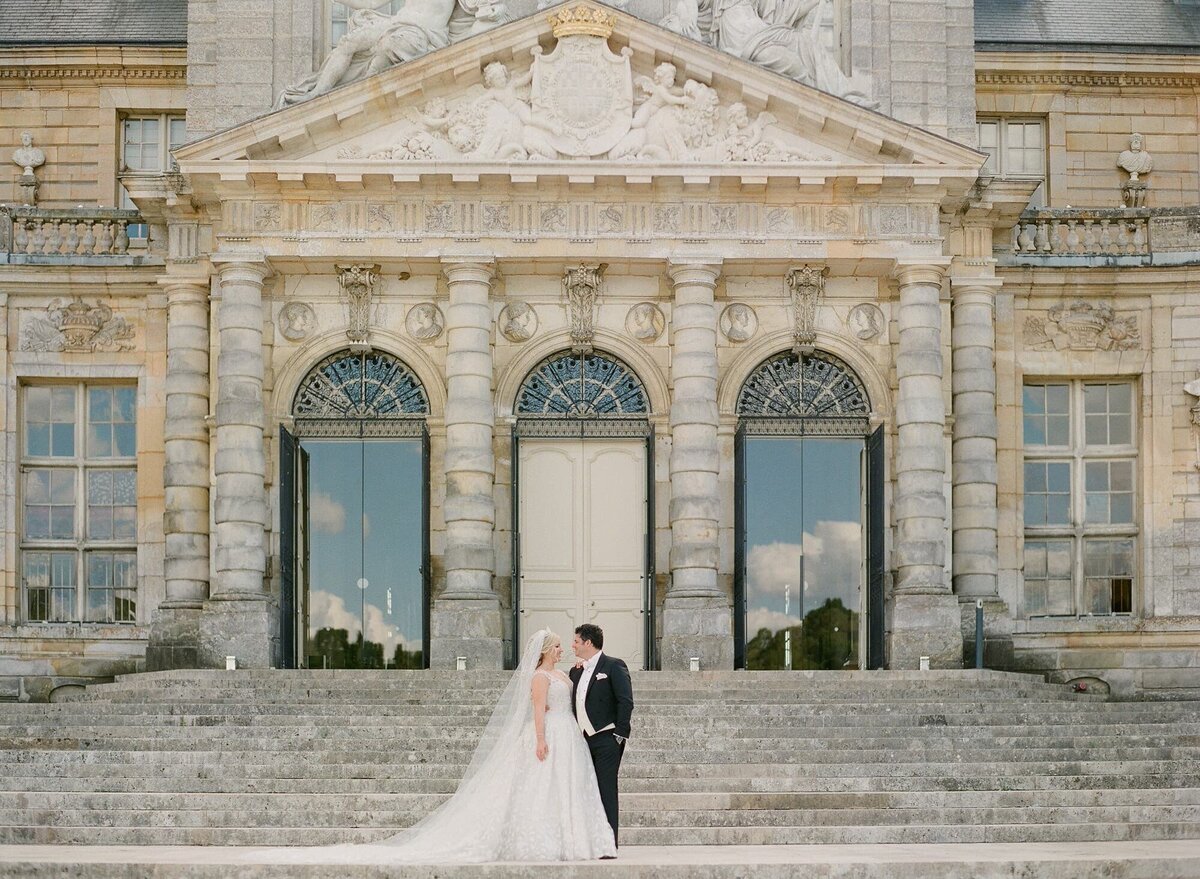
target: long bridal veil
469 826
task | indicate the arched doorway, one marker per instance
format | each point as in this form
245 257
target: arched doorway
809 530
582 495
354 512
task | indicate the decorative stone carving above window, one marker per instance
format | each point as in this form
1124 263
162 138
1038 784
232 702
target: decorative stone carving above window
77 327
581 289
806 285
425 322
518 321
297 320
358 283
645 322
1082 326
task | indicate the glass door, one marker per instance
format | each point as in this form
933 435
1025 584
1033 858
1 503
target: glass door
363 596
803 558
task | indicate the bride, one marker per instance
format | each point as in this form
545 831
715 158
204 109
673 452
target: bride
529 793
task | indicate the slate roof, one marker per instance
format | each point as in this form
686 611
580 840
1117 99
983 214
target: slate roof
93 23
1089 25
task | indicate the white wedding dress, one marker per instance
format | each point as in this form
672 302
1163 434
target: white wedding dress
509 806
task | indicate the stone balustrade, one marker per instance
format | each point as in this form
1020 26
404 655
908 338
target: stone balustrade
65 234
1136 233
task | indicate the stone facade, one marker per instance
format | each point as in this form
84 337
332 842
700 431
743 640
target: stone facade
935 289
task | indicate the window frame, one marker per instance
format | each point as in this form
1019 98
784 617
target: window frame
1078 453
1000 160
81 464
139 232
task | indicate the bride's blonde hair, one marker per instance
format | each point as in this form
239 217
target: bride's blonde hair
548 643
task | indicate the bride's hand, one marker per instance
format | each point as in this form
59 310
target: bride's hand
542 750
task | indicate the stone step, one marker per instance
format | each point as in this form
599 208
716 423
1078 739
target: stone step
64 834
407 801
1113 860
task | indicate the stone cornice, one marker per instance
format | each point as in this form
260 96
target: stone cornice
1092 69
94 63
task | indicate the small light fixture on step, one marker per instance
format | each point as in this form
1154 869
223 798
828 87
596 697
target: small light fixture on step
461 663
694 663
230 663
924 663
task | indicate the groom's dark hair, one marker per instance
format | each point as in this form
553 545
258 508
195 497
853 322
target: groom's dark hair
592 634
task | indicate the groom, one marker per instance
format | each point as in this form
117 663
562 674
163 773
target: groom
603 708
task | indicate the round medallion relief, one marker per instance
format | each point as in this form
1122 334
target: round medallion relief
645 322
297 320
424 322
518 321
865 321
739 322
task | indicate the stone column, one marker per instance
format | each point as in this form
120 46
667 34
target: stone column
175 631
465 618
240 619
696 612
925 616
974 473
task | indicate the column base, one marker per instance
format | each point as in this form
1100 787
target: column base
925 625
471 628
997 632
247 629
696 627
174 639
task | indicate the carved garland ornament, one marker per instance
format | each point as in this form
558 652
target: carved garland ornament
1082 326
358 284
77 327
581 289
805 286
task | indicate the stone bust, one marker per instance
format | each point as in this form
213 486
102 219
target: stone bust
1135 160
27 155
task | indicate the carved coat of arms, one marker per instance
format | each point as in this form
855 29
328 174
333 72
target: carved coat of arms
582 93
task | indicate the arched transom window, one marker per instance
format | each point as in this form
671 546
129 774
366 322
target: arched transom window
360 386
569 385
815 385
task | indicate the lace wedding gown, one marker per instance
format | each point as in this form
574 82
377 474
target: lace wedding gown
510 806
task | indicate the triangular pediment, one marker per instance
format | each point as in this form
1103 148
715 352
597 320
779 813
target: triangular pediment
533 98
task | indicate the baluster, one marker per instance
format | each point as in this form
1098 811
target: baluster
1139 236
38 240
1089 236
88 244
1016 238
105 241
121 244
53 236
1105 236
20 235
1122 236
1073 241
1042 242
1054 237
1025 238
71 239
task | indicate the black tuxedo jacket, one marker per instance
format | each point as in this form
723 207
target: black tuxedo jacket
609 696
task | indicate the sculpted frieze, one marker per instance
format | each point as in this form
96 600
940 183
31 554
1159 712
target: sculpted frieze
76 327
1082 326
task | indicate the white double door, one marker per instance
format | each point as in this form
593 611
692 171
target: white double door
582 509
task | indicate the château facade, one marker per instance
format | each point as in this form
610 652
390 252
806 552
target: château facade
764 334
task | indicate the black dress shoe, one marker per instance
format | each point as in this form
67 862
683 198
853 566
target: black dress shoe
608 857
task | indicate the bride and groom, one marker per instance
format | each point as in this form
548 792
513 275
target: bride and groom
542 783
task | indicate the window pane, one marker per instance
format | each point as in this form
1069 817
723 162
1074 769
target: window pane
49 579
1047 493
50 422
1047 421
112 505
111 422
1109 492
1048 577
49 504
112 587
1108 413
1108 576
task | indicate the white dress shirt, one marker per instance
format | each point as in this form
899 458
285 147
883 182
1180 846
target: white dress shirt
585 680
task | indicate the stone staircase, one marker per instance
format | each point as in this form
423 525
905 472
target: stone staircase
717 758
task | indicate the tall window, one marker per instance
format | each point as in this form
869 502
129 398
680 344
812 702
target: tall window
339 17
1016 149
146 144
79 503
1080 498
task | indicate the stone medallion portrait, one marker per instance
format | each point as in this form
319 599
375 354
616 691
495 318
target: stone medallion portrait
297 320
518 321
645 322
865 321
425 322
739 322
